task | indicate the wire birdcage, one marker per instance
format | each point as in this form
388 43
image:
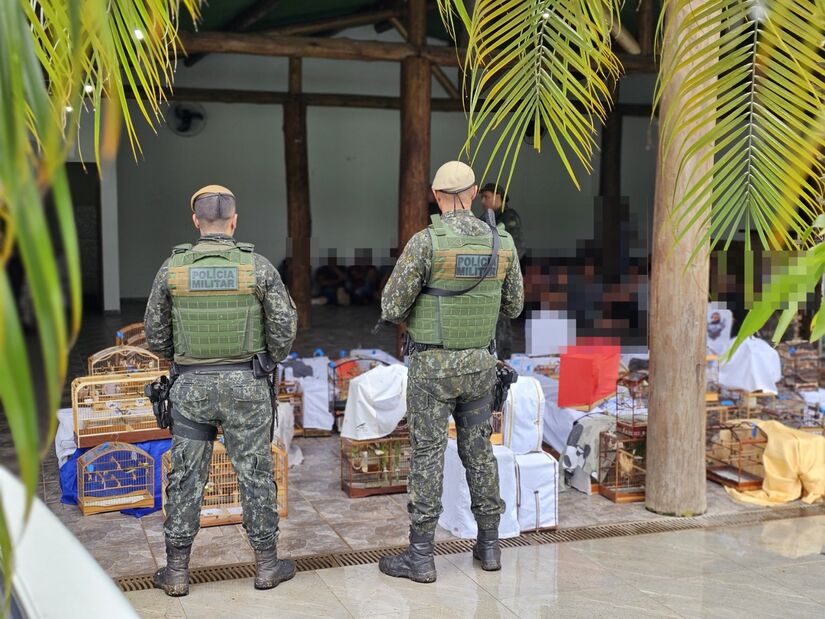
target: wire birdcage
340 373
622 467
222 496
378 466
712 379
115 476
122 360
734 456
132 334
632 394
114 408
800 365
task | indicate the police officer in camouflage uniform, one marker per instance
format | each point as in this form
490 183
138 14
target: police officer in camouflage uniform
494 199
448 291
218 308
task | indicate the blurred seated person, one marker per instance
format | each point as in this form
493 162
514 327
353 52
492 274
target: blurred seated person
362 283
331 281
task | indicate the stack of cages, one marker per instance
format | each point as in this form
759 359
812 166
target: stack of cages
114 408
115 476
622 462
734 456
122 360
289 392
222 497
340 374
134 334
378 466
632 394
800 365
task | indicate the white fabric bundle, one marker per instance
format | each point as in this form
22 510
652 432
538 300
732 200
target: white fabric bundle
376 403
755 366
523 412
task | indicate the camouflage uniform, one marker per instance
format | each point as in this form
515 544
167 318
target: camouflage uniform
438 380
504 328
235 400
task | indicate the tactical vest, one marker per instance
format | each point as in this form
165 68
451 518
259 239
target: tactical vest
467 320
216 314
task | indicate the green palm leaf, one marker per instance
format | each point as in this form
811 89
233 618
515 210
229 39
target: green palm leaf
536 66
757 108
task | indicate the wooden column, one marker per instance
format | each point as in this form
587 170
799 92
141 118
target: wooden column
611 209
646 26
299 217
676 483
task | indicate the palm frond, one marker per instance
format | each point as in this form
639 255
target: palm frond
755 110
536 67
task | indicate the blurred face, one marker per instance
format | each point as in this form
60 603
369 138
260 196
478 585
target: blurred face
490 200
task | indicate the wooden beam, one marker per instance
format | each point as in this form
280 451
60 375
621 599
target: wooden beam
299 217
336 23
646 26
438 73
346 49
622 37
244 20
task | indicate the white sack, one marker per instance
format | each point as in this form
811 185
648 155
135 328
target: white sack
376 403
537 498
522 415
316 403
755 366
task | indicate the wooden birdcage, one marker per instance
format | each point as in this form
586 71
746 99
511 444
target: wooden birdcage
131 335
800 365
123 360
378 466
222 496
734 456
712 379
340 374
115 476
109 408
289 392
755 404
632 394
622 462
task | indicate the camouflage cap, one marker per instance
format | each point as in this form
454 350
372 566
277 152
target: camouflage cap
219 190
454 177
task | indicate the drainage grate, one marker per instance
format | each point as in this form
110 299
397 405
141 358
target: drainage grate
451 547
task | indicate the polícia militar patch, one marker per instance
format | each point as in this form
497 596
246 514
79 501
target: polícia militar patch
213 278
473 265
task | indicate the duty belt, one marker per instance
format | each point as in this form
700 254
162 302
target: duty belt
411 347
214 367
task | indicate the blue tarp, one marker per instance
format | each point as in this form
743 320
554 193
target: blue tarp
68 476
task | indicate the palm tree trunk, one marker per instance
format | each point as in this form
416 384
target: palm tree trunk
676 483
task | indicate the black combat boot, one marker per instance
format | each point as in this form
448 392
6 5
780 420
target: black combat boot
271 571
416 562
486 550
174 578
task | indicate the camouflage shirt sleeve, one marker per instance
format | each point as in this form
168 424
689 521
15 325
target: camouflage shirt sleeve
157 320
512 293
410 274
512 223
280 316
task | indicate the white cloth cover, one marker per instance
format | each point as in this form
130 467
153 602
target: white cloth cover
285 428
522 415
64 443
455 497
376 402
719 331
755 366
316 403
537 498
374 353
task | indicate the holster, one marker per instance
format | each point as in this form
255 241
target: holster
263 366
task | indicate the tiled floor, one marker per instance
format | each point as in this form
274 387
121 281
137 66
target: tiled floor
768 570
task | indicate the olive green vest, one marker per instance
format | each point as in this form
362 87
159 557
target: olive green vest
216 315
467 320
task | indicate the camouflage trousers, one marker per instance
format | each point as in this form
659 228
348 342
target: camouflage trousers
504 337
430 401
241 404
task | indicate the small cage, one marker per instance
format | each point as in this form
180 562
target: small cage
622 467
712 379
719 414
123 360
734 456
754 404
289 392
340 374
115 476
632 394
379 466
131 335
800 365
114 408
222 496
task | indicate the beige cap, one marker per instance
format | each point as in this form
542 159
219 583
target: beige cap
218 189
454 177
